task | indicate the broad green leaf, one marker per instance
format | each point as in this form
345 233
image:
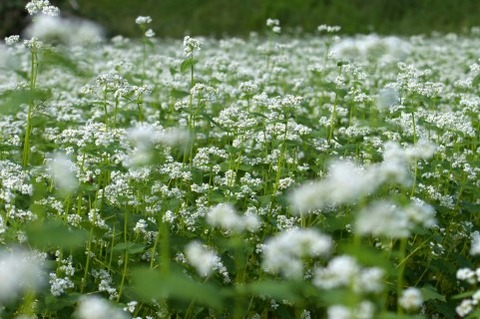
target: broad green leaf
56 234
187 64
430 293
151 284
476 81
133 248
59 59
274 289
14 98
56 303
178 94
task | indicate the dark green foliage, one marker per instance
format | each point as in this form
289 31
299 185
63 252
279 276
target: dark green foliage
174 18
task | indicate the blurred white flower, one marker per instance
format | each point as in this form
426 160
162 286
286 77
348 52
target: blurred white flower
383 218
387 97
144 138
203 259
20 271
12 40
63 172
284 252
475 246
411 299
225 216
94 307
68 31
149 33
339 272
345 182
143 20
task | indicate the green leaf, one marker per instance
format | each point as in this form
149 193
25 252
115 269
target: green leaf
14 98
149 284
393 315
211 120
274 289
464 295
133 248
430 293
59 59
56 303
56 234
476 81
187 64
338 296
178 94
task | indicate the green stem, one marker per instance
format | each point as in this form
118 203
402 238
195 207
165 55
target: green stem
400 272
125 261
31 106
105 107
165 247
412 192
87 263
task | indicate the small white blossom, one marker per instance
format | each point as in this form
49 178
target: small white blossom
411 299
190 45
143 20
12 40
149 33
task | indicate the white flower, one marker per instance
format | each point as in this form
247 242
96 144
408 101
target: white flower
411 299
465 307
41 6
149 33
20 271
143 20
284 252
387 97
339 272
339 312
467 275
94 307
344 183
225 216
365 310
63 171
12 40
421 213
475 246
190 45
383 218
203 259
272 22
68 31
328 28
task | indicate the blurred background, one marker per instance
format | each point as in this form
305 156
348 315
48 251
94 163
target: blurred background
176 18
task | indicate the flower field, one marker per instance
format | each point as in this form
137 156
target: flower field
315 176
